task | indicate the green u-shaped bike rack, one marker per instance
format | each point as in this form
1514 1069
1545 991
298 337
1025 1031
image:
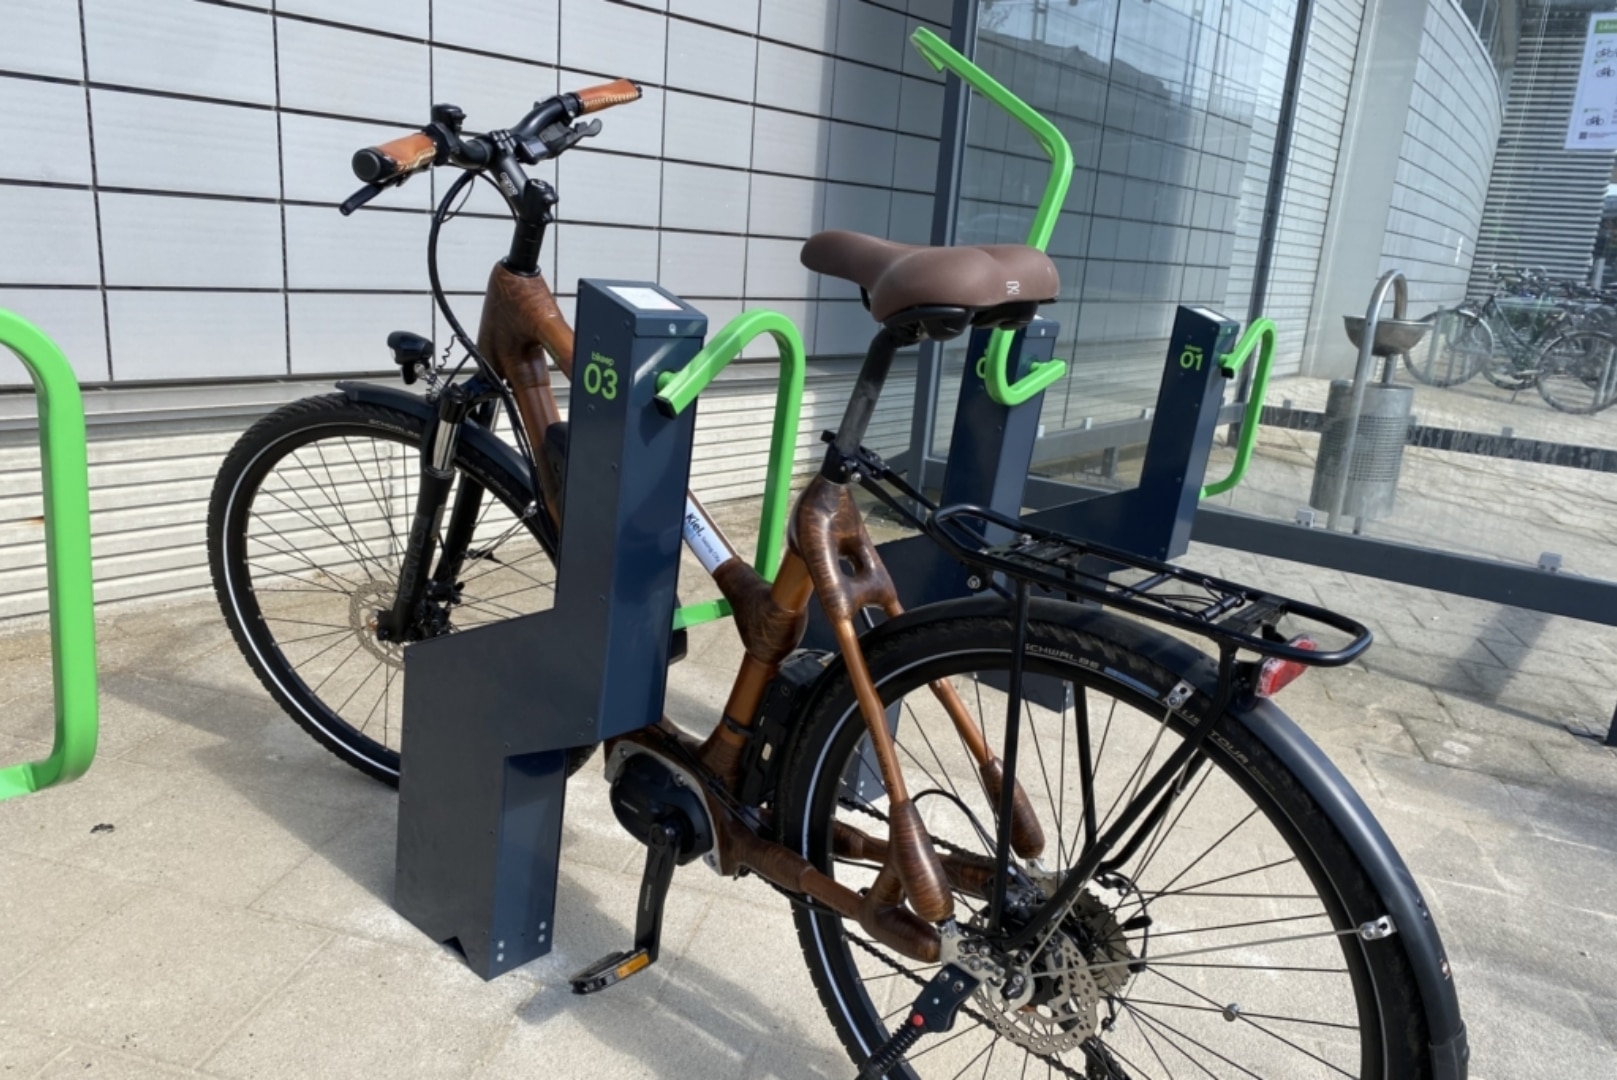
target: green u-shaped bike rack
67 560
676 391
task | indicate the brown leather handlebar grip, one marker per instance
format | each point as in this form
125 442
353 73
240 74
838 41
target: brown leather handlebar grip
400 157
596 98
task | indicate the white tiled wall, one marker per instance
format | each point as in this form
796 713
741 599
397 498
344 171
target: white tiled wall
168 210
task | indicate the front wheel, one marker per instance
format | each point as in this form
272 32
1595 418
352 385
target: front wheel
1461 345
1224 945
307 527
1577 372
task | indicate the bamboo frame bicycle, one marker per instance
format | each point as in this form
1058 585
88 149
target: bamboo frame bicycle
1108 852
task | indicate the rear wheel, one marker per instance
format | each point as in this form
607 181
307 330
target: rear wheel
1577 372
1225 945
306 528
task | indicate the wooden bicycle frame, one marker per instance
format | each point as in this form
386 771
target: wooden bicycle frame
521 324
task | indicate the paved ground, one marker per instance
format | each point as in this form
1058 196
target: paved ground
234 921
1481 506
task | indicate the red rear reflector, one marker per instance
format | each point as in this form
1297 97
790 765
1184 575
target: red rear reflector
1275 674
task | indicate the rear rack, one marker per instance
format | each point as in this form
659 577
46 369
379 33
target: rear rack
1235 616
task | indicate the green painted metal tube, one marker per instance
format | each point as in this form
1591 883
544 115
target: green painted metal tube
1260 338
67 560
940 55
676 391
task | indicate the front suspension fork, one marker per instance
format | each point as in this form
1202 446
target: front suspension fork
455 404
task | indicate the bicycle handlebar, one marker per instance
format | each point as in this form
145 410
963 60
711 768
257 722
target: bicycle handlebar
531 139
396 159
596 98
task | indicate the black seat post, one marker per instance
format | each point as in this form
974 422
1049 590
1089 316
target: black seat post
867 391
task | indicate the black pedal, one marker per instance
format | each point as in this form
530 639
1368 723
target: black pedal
932 1012
661 854
609 970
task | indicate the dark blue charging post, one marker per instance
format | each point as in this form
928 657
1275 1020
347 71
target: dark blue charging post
1154 518
991 450
490 713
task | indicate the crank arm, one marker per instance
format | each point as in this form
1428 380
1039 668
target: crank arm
659 874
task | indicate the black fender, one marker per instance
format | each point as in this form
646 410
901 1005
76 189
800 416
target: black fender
475 435
1308 763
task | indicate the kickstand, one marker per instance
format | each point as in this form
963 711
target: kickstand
615 967
933 1011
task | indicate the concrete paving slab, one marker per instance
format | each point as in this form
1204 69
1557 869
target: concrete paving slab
785 1061
739 1002
1580 764
361 1009
81 1061
132 709
1533 939
52 822
1551 1032
1495 719
1557 665
31 930
24 1052
170 979
1542 695
176 839
23 676
1358 687
616 1036
1428 788
1441 848
1496 755
1590 819
346 885
1576 875
250 744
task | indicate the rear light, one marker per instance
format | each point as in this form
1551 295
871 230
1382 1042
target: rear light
1275 673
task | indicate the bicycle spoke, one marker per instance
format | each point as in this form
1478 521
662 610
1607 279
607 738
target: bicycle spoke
326 466
1160 1025
313 516
1253 1023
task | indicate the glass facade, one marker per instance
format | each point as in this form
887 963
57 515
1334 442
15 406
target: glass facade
1170 109
1436 138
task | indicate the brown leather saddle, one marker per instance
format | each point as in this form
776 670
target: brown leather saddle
897 277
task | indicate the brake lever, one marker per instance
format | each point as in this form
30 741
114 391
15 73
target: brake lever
360 198
559 137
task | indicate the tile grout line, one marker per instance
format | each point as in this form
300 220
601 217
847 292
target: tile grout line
280 174
95 191
58 1056
253 1010
15 977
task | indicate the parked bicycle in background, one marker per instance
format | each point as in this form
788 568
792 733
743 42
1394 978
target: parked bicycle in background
1531 331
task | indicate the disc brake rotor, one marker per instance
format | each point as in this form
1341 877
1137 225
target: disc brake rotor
363 604
1058 1004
